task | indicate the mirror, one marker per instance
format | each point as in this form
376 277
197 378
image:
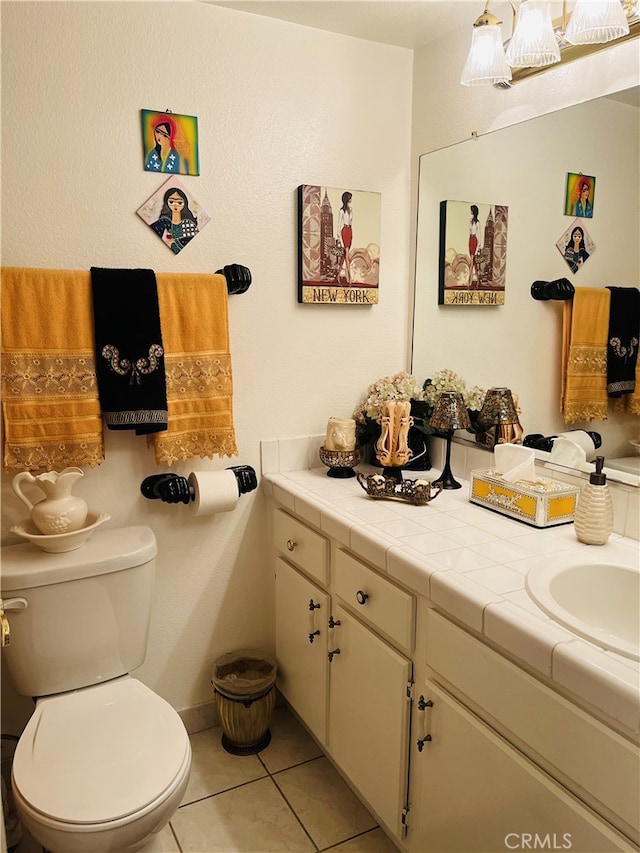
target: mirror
525 167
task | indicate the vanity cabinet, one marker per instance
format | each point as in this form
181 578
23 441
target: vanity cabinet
303 611
454 747
472 791
343 662
472 788
369 716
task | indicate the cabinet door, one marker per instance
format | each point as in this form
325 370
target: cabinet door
369 716
472 792
302 615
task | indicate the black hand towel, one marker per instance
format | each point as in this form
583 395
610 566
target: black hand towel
622 340
129 351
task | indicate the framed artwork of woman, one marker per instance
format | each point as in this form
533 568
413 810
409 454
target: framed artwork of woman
174 215
338 245
576 246
170 143
579 195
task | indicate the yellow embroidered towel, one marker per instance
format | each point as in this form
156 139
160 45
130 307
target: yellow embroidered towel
195 334
50 407
585 323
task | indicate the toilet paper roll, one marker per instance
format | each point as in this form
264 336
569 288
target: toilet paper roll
569 453
213 491
581 438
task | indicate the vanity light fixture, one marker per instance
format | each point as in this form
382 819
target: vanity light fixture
449 414
538 42
533 43
486 62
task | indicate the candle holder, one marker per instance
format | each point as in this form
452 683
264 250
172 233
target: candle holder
449 414
340 462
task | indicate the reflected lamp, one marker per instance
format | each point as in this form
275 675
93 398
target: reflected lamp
498 408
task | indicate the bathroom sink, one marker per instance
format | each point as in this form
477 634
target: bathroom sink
593 596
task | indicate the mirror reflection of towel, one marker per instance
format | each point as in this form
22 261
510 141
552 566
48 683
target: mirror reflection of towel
129 351
622 341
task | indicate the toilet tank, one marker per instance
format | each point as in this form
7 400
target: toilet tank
87 613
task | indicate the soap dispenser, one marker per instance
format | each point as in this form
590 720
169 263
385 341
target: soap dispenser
593 519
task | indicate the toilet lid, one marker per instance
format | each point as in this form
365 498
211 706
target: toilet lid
100 753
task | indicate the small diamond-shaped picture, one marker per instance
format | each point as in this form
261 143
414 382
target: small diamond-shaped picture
576 246
174 214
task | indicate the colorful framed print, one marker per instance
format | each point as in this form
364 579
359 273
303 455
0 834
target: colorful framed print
579 195
170 143
174 215
338 246
473 253
576 246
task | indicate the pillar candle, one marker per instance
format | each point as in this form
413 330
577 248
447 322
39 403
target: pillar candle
341 434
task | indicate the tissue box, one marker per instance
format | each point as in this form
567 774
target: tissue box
541 504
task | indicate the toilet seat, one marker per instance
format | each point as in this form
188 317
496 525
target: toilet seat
100 754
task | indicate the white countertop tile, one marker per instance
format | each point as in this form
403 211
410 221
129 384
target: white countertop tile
410 568
522 632
498 579
601 678
461 597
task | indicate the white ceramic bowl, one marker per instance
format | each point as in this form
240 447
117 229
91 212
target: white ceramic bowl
57 543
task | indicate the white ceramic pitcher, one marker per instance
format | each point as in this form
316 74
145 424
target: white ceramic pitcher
59 511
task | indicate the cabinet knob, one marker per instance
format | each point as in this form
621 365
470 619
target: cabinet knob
313 635
361 597
291 544
332 653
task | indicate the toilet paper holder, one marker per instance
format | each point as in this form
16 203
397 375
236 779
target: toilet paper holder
172 488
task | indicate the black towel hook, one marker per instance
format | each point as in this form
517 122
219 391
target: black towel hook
560 289
238 278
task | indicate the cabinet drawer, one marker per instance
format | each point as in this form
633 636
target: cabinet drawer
590 757
301 545
376 600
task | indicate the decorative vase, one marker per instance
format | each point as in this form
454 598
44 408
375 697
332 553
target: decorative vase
59 511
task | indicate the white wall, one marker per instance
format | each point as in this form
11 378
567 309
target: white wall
278 105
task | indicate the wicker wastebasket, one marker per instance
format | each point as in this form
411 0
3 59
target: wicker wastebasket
244 686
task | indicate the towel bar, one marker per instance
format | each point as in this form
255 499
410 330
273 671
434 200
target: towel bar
560 290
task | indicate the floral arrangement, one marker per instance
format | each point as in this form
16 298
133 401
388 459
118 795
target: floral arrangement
405 386
447 380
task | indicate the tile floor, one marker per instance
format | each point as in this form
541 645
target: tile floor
286 798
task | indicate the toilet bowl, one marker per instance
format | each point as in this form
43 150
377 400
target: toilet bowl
100 769
103 763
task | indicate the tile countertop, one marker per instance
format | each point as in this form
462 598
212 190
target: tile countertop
472 563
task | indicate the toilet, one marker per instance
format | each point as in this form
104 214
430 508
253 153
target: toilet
103 762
